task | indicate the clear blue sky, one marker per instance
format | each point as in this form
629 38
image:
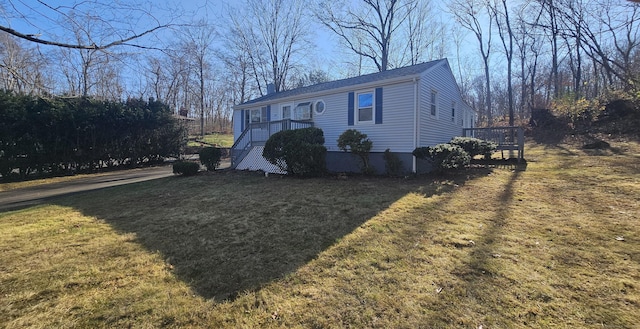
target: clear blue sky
43 21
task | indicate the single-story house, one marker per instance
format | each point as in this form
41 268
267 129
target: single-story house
399 110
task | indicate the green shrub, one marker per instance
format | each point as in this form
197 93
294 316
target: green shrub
422 152
475 146
210 157
357 143
297 152
445 157
46 136
186 168
392 163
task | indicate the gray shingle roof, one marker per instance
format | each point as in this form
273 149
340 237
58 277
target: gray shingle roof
367 78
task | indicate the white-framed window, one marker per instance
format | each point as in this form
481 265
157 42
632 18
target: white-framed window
434 103
365 107
302 111
286 111
453 111
319 107
255 116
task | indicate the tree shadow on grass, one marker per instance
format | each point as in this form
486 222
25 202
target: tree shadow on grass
487 267
226 233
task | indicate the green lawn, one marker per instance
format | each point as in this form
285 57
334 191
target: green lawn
221 140
555 244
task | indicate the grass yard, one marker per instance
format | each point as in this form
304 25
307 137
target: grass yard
222 140
554 245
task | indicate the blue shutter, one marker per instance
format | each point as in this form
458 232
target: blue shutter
268 113
350 109
242 120
378 105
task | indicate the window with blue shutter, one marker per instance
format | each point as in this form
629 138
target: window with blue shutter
365 107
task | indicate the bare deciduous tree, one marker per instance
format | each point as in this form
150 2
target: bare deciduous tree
197 43
467 14
367 29
54 24
423 35
273 34
22 69
500 11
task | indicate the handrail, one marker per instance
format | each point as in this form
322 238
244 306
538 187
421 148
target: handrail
260 132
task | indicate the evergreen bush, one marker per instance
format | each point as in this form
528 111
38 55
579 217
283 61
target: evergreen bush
210 157
357 143
475 146
56 136
186 168
297 152
392 163
445 157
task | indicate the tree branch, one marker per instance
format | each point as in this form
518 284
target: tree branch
34 38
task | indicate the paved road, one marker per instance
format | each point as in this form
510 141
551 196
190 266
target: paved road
28 196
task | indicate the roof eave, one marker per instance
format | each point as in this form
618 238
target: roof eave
332 91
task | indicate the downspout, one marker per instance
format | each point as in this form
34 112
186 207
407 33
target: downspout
416 125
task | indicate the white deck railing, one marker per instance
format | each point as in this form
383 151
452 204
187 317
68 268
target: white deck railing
258 134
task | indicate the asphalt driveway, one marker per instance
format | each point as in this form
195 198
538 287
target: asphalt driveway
20 198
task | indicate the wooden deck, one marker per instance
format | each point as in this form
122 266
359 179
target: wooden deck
508 138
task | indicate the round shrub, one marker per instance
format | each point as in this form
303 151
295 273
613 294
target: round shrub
297 152
475 146
186 168
445 157
210 157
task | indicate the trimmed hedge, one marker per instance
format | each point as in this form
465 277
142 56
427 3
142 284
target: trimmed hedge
56 135
445 157
186 168
297 152
210 157
475 146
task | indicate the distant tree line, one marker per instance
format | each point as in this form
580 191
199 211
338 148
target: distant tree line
508 56
57 135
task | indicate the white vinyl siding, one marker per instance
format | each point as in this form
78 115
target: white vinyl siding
433 103
443 126
237 124
397 107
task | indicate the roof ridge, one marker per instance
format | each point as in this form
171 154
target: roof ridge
351 81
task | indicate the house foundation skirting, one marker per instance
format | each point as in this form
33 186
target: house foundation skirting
347 162
337 162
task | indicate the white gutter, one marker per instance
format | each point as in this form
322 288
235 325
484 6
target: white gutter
416 124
